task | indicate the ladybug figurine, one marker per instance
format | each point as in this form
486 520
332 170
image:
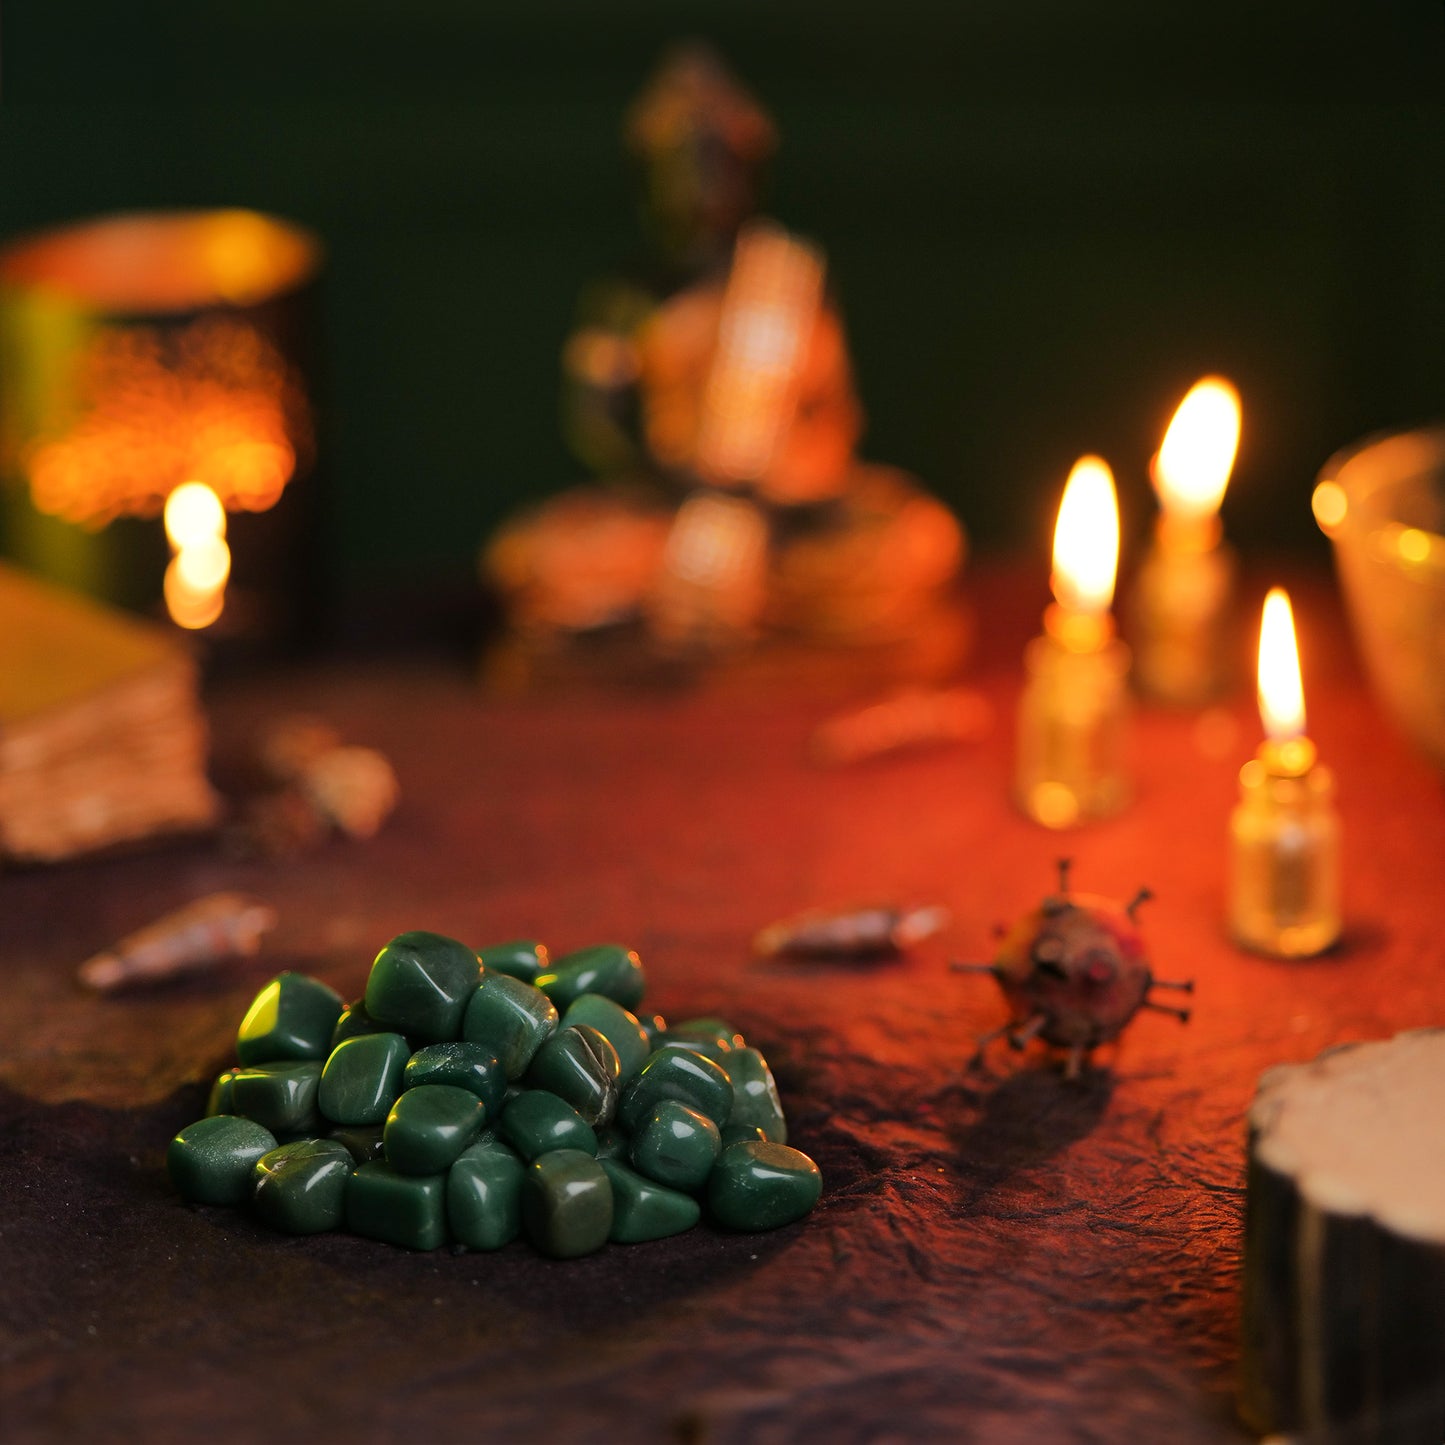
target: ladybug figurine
1074 973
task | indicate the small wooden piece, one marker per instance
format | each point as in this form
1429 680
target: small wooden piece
1344 1257
850 932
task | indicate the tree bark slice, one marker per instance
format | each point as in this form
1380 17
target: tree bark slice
1344 1257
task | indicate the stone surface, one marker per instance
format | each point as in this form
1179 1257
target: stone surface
300 1188
642 1209
537 1121
682 1074
714 1037
473 1067
354 1022
364 1142
755 1094
566 1204
579 1065
405 1209
619 1026
762 1186
291 1018
420 985
362 1079
210 1161
281 1096
606 968
429 1126
675 1145
511 1018
522 958
222 1093
484 1195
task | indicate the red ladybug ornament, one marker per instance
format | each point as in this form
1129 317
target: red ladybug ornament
1074 973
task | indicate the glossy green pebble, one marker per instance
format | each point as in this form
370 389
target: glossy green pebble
643 1210
714 1037
613 1143
580 1066
362 1078
566 1204
682 1074
511 1018
762 1186
300 1188
282 1096
743 1134
652 1025
755 1095
404 1209
210 1161
537 1122
222 1095
430 1125
420 985
473 1067
620 1028
484 1195
675 1146
606 968
355 1022
522 958
363 1141
291 1018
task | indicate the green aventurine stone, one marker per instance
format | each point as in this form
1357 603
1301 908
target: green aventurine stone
522 958
613 1143
620 1028
652 1025
484 1196
681 1074
675 1145
607 968
566 1204
762 1186
642 1210
755 1095
537 1122
362 1078
473 1067
404 1209
580 1066
714 1037
300 1188
743 1134
356 1022
282 1096
511 1018
291 1018
222 1093
420 985
210 1161
430 1125
363 1141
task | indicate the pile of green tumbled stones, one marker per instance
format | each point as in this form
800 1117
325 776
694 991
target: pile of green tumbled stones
472 1098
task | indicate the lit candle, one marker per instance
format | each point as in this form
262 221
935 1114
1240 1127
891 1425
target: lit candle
195 581
1182 594
1285 834
1074 710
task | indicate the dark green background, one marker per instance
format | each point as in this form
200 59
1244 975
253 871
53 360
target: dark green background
1044 221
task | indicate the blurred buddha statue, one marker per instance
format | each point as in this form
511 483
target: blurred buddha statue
712 393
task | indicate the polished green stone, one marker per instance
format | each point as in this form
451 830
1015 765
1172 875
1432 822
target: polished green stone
291 1018
511 1018
613 1143
484 1196
762 1186
210 1161
536 1122
606 968
522 958
363 1141
580 1066
755 1095
743 1134
280 1095
420 985
566 1204
362 1079
619 1027
430 1125
642 1209
682 1074
355 1022
675 1145
222 1095
404 1209
300 1188
469 1066
714 1037
652 1025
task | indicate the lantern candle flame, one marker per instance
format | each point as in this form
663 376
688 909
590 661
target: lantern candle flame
1281 690
1198 451
195 581
1086 540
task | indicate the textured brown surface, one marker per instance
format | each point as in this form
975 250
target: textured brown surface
1001 1258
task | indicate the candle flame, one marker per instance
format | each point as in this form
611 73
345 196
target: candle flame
1198 451
1086 539
1281 691
195 581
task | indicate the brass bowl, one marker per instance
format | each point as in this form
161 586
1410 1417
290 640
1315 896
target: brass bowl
1382 505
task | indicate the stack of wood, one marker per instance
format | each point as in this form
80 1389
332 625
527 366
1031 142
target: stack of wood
102 737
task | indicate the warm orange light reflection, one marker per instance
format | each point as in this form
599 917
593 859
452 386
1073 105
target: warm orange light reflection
1086 539
1281 691
195 581
1197 455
